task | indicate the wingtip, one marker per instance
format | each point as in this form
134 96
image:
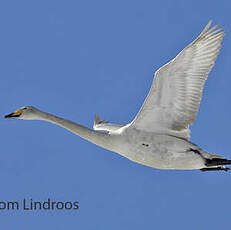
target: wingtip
96 116
206 27
97 119
211 30
208 24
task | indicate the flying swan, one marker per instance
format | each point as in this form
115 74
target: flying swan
159 135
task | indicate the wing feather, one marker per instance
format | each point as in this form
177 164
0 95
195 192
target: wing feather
174 98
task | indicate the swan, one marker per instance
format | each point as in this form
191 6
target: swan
159 135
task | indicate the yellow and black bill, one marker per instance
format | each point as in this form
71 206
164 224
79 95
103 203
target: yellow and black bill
14 114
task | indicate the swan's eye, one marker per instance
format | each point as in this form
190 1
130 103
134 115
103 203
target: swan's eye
25 108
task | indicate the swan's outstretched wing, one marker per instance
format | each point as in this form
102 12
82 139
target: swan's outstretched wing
175 95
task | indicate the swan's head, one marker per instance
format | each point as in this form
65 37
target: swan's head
25 113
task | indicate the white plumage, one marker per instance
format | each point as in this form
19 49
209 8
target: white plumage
173 101
159 135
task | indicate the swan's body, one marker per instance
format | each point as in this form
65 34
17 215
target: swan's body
159 135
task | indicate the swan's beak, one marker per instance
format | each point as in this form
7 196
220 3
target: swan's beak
14 114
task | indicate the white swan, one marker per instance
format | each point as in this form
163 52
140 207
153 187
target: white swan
159 134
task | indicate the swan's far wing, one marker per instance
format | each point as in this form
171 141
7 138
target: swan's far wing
101 125
174 98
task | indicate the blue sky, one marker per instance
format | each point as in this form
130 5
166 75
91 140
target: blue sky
78 58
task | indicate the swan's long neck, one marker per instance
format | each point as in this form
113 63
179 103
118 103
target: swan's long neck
95 137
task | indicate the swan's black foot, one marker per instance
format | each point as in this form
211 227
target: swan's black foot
217 162
215 169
